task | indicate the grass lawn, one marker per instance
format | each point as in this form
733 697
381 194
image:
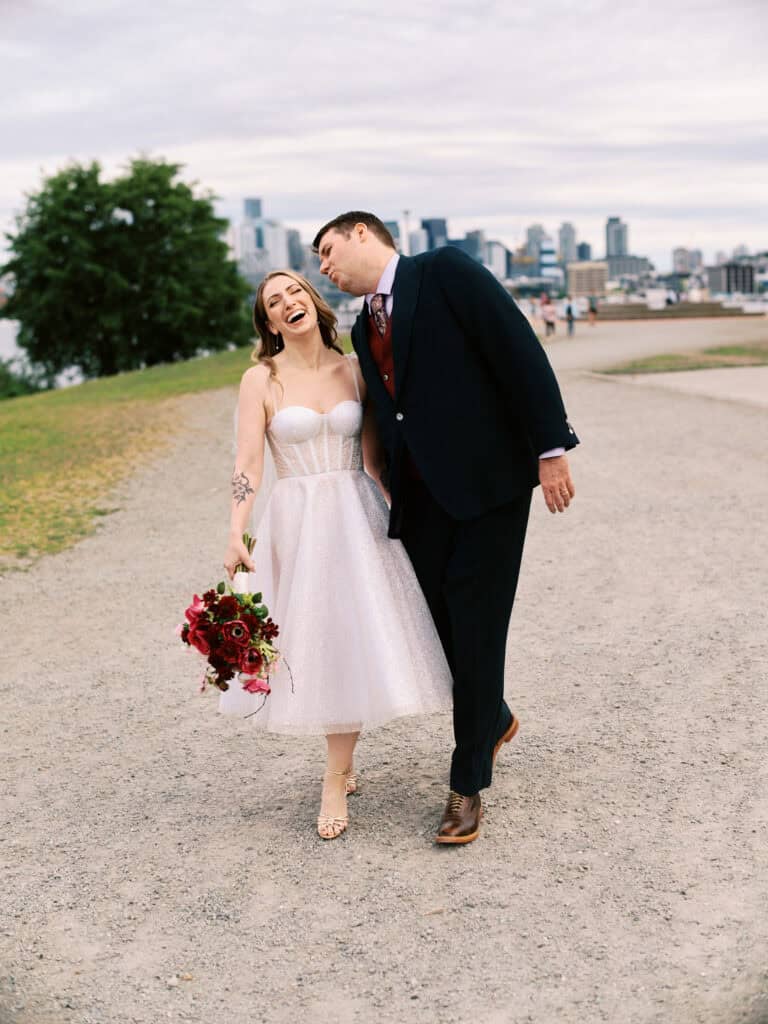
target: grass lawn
62 452
754 354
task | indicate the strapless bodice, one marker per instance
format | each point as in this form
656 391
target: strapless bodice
305 442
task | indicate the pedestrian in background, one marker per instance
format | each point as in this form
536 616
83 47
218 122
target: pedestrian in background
569 317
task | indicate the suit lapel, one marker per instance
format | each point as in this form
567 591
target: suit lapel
405 294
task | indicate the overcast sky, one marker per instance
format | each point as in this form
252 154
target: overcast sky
494 115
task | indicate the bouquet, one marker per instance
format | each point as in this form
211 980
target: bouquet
234 632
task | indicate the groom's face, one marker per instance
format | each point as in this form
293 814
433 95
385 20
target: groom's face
342 259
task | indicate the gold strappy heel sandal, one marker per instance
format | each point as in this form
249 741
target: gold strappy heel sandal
328 826
351 782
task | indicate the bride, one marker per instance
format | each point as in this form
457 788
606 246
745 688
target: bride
355 629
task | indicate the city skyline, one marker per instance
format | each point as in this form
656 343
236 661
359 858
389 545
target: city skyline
423 226
496 117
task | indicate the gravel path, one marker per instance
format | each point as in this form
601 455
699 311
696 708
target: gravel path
159 862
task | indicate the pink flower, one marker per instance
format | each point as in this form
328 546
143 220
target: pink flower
237 632
179 629
257 685
195 610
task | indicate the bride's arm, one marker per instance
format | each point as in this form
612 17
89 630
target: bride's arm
373 450
249 462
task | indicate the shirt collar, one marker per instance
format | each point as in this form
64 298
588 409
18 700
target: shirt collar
387 279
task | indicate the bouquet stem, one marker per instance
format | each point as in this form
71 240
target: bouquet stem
250 544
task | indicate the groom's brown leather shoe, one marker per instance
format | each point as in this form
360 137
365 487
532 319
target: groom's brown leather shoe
507 735
461 819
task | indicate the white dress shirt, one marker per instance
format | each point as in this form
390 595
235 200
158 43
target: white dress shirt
384 287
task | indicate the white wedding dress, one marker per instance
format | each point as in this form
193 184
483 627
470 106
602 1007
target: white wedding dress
355 629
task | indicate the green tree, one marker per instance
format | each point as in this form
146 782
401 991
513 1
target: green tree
111 276
15 381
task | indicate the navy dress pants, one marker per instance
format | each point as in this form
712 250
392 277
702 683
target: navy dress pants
468 571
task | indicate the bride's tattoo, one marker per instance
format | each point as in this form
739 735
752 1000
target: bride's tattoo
241 487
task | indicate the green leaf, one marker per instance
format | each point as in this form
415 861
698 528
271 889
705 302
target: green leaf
221 588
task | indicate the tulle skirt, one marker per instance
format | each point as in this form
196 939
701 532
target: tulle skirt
355 630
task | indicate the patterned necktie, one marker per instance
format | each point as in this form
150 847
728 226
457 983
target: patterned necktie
379 310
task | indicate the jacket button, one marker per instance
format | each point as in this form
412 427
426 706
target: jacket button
386 376
399 417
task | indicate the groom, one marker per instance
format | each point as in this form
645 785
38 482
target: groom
471 419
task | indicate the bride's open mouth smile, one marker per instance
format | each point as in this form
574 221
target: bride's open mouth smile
296 317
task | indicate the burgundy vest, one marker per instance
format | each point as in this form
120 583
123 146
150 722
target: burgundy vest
381 351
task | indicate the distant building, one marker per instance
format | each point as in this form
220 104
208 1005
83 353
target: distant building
418 241
533 239
584 251
496 259
681 261
740 251
262 245
276 244
437 231
548 267
473 244
587 277
566 238
520 264
721 257
616 237
628 266
732 277
393 227
295 250
686 261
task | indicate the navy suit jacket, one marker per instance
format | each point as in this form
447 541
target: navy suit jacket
476 401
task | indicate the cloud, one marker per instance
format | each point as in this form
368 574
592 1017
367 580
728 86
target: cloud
490 110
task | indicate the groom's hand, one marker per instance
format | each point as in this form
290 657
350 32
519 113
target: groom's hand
556 484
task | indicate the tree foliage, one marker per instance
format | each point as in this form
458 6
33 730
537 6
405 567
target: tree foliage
15 381
111 276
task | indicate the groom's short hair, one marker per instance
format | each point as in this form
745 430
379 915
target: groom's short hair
345 222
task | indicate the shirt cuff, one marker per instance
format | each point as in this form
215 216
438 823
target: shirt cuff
552 453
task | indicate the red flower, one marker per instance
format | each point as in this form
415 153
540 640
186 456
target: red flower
269 629
200 638
251 661
227 608
229 651
237 632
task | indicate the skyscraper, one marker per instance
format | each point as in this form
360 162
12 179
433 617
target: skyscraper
418 241
437 231
534 237
584 251
681 261
252 209
295 250
616 237
548 260
566 238
393 227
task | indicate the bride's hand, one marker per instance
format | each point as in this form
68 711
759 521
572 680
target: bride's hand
237 552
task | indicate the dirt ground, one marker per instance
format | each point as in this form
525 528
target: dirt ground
159 862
